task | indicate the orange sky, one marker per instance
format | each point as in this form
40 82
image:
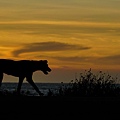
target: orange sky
71 34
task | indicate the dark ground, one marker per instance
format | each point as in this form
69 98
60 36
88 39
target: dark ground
21 107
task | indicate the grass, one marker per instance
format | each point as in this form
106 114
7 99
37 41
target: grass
93 85
87 85
84 97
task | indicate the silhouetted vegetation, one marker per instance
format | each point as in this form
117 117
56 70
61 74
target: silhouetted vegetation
90 84
87 85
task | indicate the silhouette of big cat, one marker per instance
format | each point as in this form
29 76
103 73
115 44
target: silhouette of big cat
23 69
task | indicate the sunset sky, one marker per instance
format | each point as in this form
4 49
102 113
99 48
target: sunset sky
73 35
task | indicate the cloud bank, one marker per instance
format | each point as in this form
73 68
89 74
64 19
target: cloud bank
49 47
107 60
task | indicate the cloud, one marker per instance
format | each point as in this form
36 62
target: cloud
108 60
48 47
113 60
74 59
63 22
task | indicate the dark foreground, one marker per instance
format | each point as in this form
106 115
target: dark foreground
21 107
